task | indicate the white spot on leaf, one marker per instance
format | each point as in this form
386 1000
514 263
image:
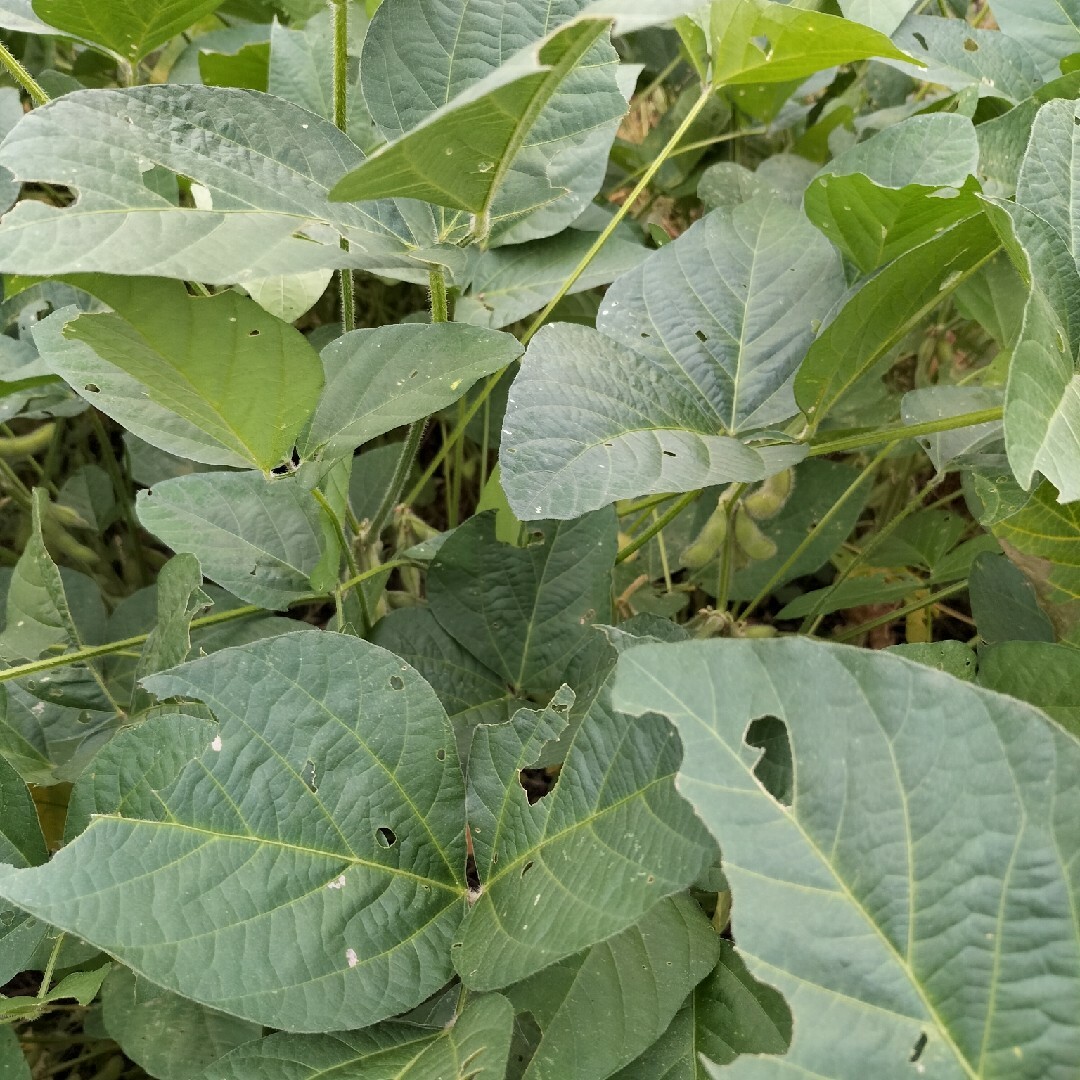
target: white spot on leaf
351 957
216 744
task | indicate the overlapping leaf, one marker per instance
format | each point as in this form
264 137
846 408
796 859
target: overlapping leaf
586 861
695 346
263 168
917 892
473 1046
329 904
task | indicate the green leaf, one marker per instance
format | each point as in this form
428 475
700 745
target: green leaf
332 903
179 599
953 657
923 912
586 861
82 986
882 15
381 379
171 1037
128 28
884 308
943 401
600 1009
957 55
1003 603
696 345
13 1066
261 166
897 189
508 283
21 842
797 43
260 539
465 153
1046 675
1043 539
473 1046
728 1014
524 612
1049 26
38 615
216 379
470 691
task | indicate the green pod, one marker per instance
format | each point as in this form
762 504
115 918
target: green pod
709 541
770 498
754 543
17 446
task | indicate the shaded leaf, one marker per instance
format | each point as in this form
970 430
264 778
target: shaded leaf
1046 675
524 612
872 918
1004 604
473 1046
599 1009
381 379
325 925
82 986
260 539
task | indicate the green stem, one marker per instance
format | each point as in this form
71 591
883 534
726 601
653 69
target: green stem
659 524
621 213
50 966
815 532
340 16
91 652
900 613
819 448
339 530
727 552
22 76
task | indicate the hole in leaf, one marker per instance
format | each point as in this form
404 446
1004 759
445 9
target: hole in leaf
254 333
472 875
387 837
440 755
920 1046
397 682
646 334
669 453
92 388
538 782
413 374
701 335
922 41
774 769
526 868
308 776
971 45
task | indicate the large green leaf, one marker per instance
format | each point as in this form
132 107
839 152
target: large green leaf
473 1046
381 379
506 138
1042 402
312 854
217 378
600 1009
897 189
693 347
883 15
260 539
262 167
497 108
1049 26
586 861
918 890
758 41
728 1014
1044 674
884 308
169 1036
129 28
524 612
